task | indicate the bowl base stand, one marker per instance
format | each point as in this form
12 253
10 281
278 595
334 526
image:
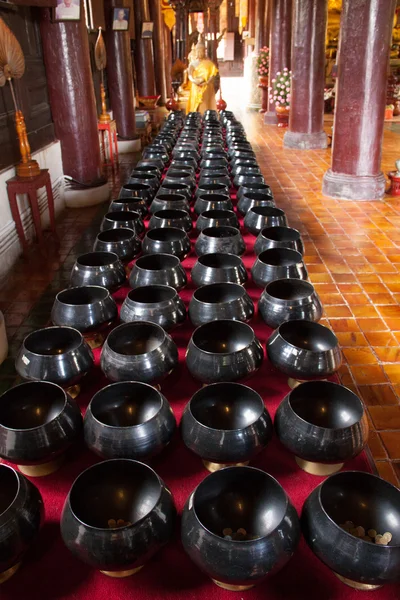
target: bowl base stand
73 391
5 575
43 469
318 468
232 588
121 574
94 340
212 466
356 585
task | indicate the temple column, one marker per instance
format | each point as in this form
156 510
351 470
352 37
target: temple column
73 104
262 7
144 57
160 58
120 82
168 57
279 46
365 37
306 122
253 100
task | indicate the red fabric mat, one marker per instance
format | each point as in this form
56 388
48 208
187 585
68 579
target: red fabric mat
49 571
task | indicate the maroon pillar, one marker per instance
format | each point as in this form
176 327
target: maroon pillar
144 57
260 32
168 58
119 75
160 62
306 123
73 104
279 46
364 45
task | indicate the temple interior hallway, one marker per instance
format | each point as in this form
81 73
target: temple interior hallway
352 255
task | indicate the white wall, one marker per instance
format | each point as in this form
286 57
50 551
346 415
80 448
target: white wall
10 247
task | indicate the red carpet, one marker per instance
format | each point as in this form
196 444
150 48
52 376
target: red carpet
50 572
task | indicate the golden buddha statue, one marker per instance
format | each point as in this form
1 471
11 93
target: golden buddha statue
201 72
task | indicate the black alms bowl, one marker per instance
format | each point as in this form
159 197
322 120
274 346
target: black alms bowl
38 423
259 188
137 205
136 191
226 423
278 237
220 239
175 188
239 498
122 241
289 300
251 199
278 263
159 304
117 490
218 267
258 217
217 218
98 268
171 218
369 502
129 219
223 351
128 420
220 301
56 354
158 269
21 516
86 308
167 240
304 350
170 202
322 423
212 188
138 351
206 202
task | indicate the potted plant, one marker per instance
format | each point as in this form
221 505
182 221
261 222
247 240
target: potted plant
280 95
389 111
263 71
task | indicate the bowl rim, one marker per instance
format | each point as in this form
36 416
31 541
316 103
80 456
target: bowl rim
236 323
136 266
220 198
90 413
319 427
96 465
17 477
307 284
130 215
136 323
223 254
132 235
233 284
115 259
313 323
275 211
262 234
227 431
179 238
269 250
205 232
79 287
158 214
55 418
318 490
192 501
25 350
170 198
172 290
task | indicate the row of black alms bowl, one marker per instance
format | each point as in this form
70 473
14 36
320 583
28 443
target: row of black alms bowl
159 304
226 423
140 351
98 268
56 354
287 300
220 240
158 269
220 301
239 498
21 516
218 267
38 423
223 350
117 490
128 419
323 424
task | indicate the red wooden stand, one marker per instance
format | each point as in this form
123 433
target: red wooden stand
30 185
111 129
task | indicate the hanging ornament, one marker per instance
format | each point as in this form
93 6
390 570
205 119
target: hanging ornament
100 57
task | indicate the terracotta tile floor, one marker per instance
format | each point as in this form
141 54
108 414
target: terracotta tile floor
352 254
